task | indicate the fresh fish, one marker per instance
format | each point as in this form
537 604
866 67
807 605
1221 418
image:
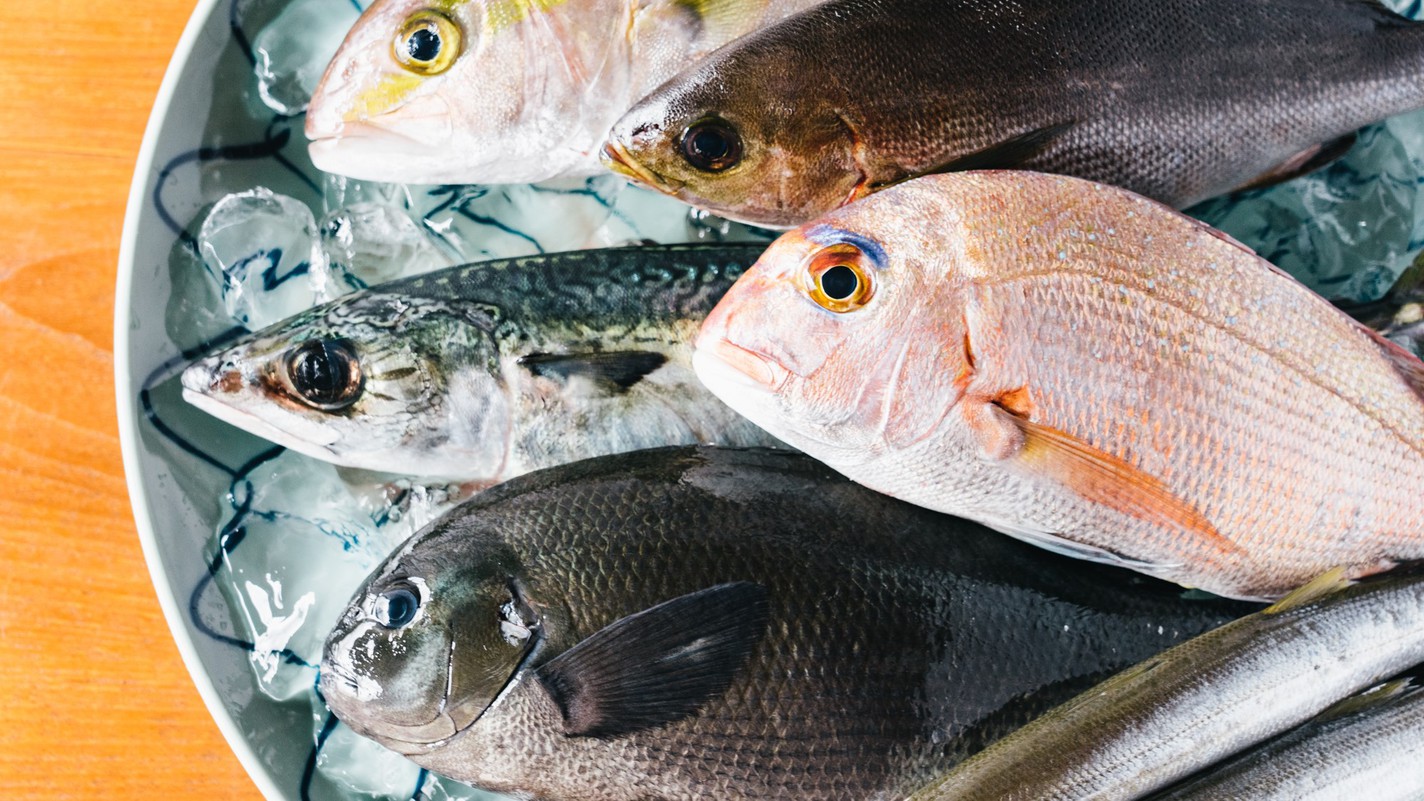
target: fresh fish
703 623
1369 747
504 91
1208 698
1178 100
1085 369
486 371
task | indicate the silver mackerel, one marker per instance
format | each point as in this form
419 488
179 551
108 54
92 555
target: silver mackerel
486 371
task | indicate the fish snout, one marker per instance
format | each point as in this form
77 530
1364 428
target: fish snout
719 362
615 156
213 376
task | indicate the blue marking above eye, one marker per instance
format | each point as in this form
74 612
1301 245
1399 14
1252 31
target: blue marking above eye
398 607
828 235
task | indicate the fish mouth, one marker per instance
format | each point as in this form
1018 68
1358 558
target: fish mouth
253 424
616 157
728 363
451 713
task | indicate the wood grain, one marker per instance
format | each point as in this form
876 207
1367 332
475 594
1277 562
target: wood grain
94 701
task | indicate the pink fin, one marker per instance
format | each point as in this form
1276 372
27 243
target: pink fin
1406 364
1105 479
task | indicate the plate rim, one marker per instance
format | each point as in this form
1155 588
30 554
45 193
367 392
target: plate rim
127 413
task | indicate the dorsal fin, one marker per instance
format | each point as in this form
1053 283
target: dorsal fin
1327 583
1406 364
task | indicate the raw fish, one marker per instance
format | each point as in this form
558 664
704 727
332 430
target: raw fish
504 91
1185 709
1085 369
1178 100
485 371
703 623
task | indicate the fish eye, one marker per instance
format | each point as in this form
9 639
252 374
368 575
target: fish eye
397 606
839 279
712 145
325 373
427 43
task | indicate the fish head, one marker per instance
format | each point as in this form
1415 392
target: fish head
709 138
431 639
369 381
470 91
825 342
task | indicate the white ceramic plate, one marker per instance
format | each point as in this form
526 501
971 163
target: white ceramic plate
253 551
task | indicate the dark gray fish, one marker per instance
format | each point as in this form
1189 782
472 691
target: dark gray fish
1178 100
485 371
705 623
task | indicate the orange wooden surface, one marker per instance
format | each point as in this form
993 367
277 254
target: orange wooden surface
94 701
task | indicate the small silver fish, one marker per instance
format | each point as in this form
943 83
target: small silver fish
487 371
1212 696
1370 746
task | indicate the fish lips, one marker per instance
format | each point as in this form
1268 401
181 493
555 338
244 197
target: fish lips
449 723
720 362
405 145
206 382
615 156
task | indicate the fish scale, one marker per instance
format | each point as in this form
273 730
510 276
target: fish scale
897 642
1241 434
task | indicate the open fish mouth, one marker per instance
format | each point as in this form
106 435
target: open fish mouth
617 158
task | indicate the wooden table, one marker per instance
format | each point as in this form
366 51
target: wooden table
94 702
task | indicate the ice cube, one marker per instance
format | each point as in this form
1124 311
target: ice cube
309 541
292 51
369 243
258 247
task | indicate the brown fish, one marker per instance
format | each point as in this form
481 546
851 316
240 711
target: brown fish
1086 369
1178 100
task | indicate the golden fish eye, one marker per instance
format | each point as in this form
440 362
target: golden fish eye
428 43
839 280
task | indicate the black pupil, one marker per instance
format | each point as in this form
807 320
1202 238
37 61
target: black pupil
401 605
709 144
713 146
323 371
423 45
839 282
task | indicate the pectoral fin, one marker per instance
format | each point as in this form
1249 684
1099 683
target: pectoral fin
1092 474
1302 163
659 665
1013 153
612 371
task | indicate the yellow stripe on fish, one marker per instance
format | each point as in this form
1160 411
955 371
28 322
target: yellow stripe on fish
390 91
502 14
